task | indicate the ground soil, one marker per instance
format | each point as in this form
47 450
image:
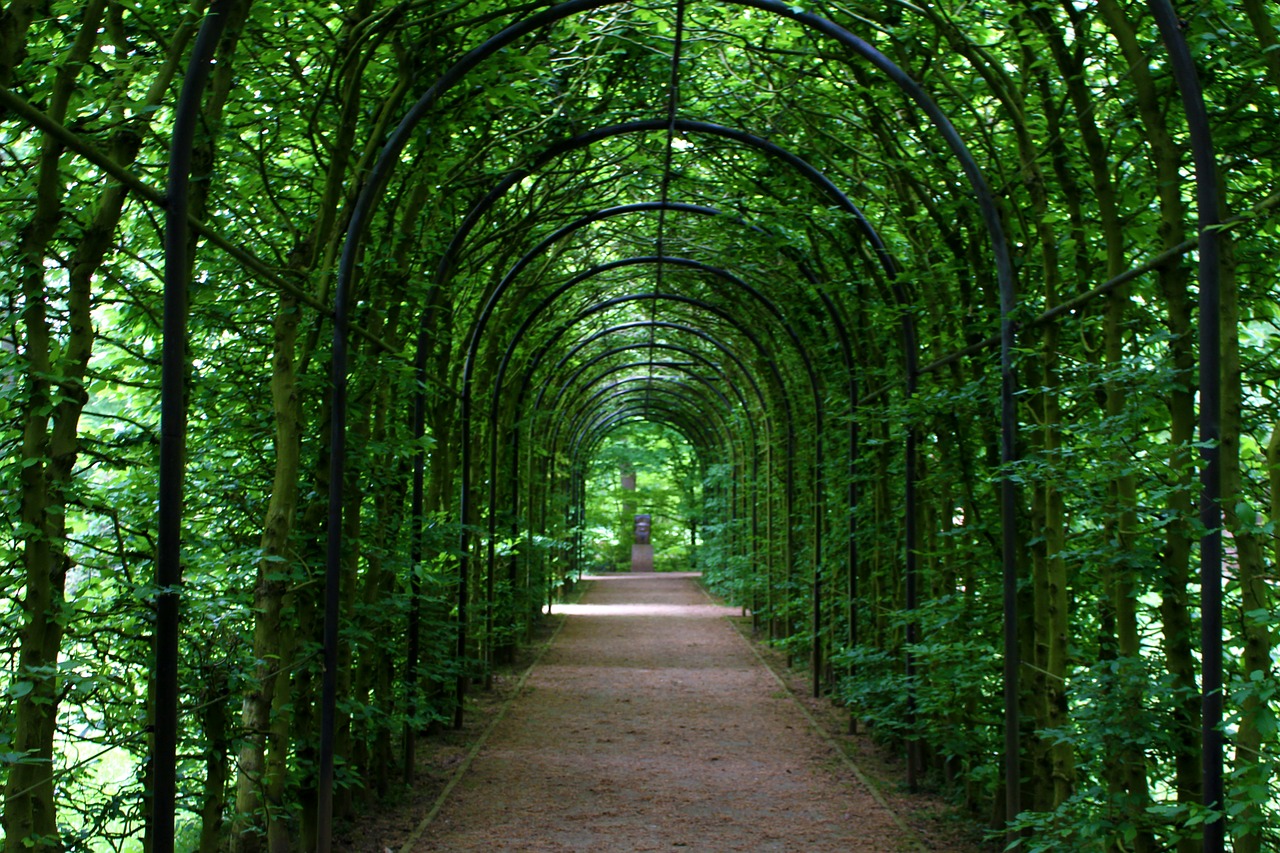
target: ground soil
652 723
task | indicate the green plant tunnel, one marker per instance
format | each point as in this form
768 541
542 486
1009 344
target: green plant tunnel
940 338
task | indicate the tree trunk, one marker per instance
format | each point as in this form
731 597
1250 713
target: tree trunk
1252 771
55 398
1175 609
272 645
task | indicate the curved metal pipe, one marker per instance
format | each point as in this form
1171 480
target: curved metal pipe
640 411
693 354
610 390
1209 212
720 346
648 325
583 428
779 384
648 401
173 431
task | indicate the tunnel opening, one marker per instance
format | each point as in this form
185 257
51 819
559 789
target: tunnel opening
645 469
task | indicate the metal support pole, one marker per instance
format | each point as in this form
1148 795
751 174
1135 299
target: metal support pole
173 432
1211 627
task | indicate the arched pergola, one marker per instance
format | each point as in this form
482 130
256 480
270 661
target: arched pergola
593 402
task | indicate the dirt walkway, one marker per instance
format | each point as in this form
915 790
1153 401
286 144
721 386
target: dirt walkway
651 725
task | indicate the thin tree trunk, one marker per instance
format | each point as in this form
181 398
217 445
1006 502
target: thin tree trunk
1175 610
1252 771
215 726
55 398
271 638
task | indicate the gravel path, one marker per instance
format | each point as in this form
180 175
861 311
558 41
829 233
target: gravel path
651 725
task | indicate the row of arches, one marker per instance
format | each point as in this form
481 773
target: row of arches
710 404
910 283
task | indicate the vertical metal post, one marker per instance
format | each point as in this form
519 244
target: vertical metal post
416 520
911 596
333 572
173 431
818 657
912 602
1210 378
851 554
789 522
464 553
1009 572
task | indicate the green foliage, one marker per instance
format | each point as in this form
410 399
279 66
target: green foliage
667 488
1075 122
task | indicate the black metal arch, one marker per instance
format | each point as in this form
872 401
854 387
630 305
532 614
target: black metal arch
803 167
675 401
622 263
596 359
715 342
637 411
594 412
463 600
694 431
790 443
548 380
818 496
828 188
509 278
609 391
685 329
589 436
499 380
745 331
820 181
654 324
698 266
719 345
675 411
390 156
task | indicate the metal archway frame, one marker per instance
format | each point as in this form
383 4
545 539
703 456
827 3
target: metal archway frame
778 384
584 386
825 186
719 345
990 215
494 467
551 299
657 411
593 417
1208 212
168 566
788 468
510 277
466 463
818 409
701 357
637 411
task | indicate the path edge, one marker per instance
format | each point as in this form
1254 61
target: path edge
421 828
911 838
